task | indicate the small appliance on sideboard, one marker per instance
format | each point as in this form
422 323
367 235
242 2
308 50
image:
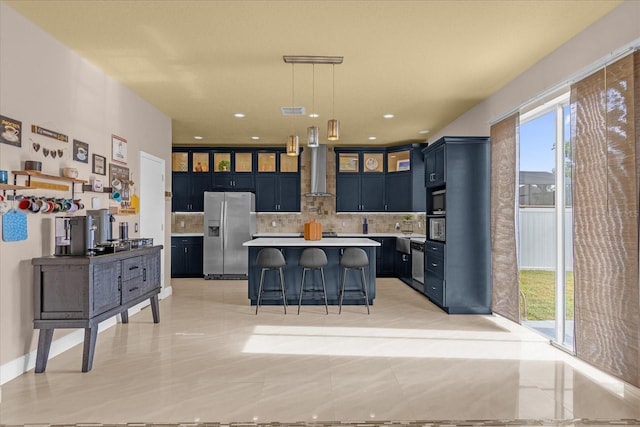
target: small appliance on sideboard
102 219
74 235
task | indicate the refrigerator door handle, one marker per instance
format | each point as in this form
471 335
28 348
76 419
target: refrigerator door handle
226 226
222 224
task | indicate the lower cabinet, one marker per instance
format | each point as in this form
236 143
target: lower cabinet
434 273
385 256
403 267
186 256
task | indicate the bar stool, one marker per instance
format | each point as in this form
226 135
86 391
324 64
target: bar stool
313 259
271 259
354 259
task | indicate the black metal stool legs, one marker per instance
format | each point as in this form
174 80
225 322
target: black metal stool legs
324 288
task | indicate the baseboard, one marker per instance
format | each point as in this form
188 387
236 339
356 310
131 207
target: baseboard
22 364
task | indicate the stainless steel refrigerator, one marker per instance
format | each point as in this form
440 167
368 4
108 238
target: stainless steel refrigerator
229 221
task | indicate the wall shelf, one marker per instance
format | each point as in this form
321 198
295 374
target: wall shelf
47 186
89 188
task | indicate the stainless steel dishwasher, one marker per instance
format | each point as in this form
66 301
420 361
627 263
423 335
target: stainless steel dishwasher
417 262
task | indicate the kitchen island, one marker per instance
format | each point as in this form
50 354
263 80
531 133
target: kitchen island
292 247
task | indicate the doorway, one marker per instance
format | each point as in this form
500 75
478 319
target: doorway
545 222
152 205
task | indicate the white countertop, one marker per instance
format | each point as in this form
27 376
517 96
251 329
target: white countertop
300 242
187 234
295 234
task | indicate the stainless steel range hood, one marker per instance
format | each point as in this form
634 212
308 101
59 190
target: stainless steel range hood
318 172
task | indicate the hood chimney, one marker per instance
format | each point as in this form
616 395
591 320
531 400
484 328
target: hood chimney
318 172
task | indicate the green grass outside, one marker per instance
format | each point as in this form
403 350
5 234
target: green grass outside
538 287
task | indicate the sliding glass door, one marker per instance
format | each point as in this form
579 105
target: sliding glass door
545 222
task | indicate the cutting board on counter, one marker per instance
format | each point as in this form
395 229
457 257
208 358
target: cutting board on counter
14 226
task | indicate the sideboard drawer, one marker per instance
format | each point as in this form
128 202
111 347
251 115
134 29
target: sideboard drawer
131 268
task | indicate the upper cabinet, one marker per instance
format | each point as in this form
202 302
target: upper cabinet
359 180
380 180
190 179
435 166
277 182
268 172
233 170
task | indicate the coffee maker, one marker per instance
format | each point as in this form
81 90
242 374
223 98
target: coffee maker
74 235
102 220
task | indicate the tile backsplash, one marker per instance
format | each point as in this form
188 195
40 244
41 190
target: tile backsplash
322 209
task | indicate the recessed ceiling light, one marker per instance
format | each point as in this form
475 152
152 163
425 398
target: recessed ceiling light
424 131
388 116
197 137
239 115
314 115
255 138
372 138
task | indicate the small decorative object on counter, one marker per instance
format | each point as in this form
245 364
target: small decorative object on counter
124 230
312 230
365 226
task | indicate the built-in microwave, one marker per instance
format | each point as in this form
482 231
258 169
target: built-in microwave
438 202
437 229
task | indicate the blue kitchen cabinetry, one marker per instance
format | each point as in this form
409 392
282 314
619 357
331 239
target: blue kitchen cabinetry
359 180
186 256
277 181
190 179
385 256
435 166
458 270
380 180
233 170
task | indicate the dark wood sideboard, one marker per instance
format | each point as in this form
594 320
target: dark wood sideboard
81 292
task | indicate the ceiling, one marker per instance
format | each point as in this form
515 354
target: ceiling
200 62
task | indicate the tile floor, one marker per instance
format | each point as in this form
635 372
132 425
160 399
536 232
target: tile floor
211 359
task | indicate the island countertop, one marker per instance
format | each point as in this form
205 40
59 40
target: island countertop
301 242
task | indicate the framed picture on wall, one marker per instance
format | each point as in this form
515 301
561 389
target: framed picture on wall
80 151
118 149
99 165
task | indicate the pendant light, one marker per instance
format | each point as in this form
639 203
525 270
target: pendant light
292 139
313 133
333 125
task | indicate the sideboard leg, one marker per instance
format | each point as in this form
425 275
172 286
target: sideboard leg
90 336
124 316
44 344
155 309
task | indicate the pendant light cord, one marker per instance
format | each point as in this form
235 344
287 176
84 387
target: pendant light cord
333 96
293 76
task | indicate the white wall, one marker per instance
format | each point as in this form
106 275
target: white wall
44 83
617 29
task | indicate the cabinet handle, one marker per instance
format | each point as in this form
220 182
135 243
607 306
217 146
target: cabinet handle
433 264
133 289
433 288
185 250
144 274
119 283
135 267
432 177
